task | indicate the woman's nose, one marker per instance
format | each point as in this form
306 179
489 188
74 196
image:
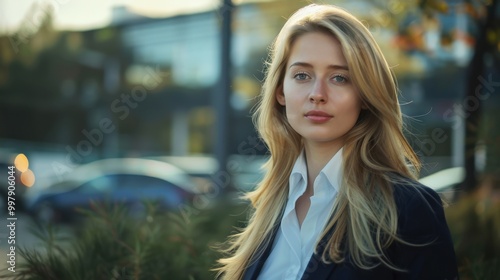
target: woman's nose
318 93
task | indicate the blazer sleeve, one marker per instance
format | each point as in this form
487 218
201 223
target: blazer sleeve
422 223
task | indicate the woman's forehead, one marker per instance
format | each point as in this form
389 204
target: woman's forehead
316 48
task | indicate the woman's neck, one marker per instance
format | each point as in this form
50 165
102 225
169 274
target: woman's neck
317 156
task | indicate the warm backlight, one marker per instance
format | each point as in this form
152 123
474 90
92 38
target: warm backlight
21 162
28 178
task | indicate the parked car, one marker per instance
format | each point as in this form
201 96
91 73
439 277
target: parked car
130 181
245 171
444 181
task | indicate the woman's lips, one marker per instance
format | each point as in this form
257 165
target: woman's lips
318 116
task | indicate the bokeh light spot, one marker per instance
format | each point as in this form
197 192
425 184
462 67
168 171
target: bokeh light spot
28 178
21 162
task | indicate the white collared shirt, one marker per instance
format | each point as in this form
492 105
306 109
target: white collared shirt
293 246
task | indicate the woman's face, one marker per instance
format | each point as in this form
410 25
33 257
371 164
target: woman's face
321 102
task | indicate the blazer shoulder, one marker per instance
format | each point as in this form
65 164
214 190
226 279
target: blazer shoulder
421 222
413 194
420 212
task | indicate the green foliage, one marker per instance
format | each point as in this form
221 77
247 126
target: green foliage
474 223
110 244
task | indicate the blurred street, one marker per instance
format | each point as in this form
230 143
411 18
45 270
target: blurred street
23 237
127 101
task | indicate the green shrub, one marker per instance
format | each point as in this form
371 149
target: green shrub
474 223
109 244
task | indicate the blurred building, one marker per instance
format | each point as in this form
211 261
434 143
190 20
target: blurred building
146 86
175 61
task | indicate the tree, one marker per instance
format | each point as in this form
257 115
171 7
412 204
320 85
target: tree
487 25
483 33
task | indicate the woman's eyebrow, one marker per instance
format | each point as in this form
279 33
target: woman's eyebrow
308 65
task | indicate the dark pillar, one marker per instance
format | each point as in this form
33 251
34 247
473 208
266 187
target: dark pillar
222 95
473 121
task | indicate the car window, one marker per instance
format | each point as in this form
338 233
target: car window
100 184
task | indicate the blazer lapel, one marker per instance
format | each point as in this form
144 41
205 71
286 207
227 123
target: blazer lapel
317 269
253 271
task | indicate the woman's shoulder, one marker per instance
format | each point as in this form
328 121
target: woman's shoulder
408 192
422 223
420 208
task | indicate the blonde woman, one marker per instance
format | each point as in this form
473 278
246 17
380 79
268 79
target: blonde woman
339 199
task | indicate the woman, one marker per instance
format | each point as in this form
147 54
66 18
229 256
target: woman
339 199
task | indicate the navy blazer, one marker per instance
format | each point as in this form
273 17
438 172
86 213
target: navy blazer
420 220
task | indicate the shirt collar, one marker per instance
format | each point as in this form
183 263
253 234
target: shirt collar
332 172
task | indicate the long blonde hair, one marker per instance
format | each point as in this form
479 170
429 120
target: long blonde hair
375 154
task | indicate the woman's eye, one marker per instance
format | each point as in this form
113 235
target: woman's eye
339 79
301 76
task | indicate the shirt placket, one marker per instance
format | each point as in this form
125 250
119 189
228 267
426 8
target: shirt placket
292 236
309 226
